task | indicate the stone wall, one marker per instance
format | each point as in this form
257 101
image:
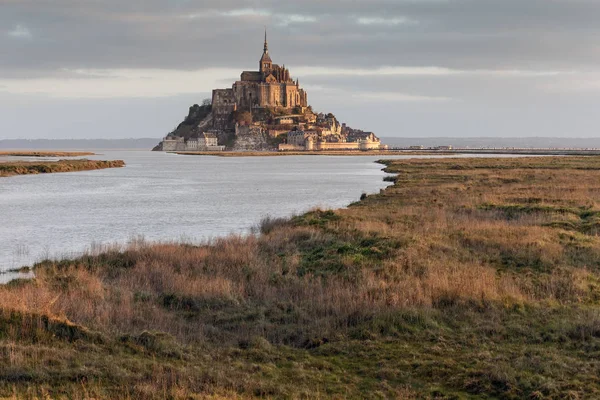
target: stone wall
223 104
250 138
249 94
290 147
173 144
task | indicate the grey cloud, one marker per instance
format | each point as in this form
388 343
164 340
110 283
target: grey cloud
458 33
20 32
531 36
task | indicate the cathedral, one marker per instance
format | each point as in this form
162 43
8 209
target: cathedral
270 86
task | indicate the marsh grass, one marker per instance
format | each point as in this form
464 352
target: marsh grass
43 167
468 277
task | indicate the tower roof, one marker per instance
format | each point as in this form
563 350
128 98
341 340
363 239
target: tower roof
266 57
266 48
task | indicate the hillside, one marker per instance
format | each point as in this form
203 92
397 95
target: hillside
468 278
261 129
195 116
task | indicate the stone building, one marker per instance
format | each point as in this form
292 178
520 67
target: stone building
310 141
205 141
209 139
172 143
270 86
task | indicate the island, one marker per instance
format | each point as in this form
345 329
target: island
265 110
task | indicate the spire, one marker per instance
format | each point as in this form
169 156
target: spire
266 49
265 60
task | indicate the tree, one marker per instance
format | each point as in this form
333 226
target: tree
206 102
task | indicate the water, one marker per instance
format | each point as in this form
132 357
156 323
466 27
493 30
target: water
168 197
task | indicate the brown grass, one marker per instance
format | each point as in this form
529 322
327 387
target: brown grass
37 167
481 240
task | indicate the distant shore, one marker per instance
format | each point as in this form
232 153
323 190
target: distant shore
293 153
399 152
44 167
279 153
13 153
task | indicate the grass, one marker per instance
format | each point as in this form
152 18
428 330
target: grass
468 278
46 153
35 167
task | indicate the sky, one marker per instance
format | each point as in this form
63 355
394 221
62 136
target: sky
406 68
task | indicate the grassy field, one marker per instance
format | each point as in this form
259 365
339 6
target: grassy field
44 167
468 278
45 153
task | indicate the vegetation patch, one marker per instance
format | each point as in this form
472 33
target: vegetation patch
466 278
27 168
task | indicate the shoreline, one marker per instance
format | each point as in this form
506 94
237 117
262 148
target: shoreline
391 153
294 153
26 270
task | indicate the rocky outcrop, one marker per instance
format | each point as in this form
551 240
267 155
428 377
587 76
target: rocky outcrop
265 128
197 116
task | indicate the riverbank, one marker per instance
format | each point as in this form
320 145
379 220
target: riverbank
45 153
43 167
467 277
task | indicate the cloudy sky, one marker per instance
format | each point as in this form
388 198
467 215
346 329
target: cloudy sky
114 68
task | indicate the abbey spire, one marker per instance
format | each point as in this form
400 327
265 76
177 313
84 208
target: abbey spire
266 48
265 61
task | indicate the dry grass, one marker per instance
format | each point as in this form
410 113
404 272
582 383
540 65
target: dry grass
37 167
465 264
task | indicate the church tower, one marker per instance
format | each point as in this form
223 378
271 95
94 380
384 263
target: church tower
265 61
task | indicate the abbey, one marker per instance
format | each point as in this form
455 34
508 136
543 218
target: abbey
271 86
264 110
